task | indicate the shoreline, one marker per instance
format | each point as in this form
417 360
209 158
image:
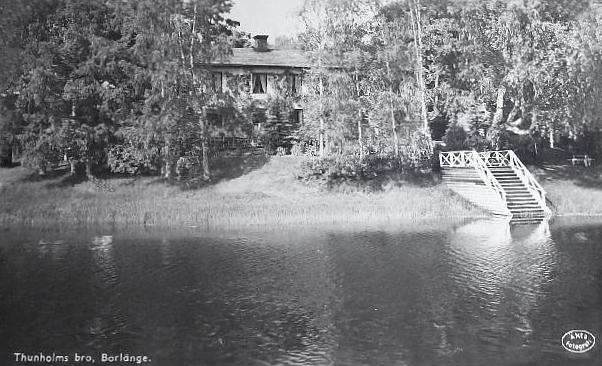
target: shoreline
269 196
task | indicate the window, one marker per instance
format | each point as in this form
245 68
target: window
260 83
216 81
297 116
295 81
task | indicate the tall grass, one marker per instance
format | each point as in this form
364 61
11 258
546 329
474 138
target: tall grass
571 199
574 191
271 198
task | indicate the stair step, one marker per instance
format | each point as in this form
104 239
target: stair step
520 199
527 210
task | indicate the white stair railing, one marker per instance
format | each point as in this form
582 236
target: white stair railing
472 159
488 177
482 161
456 159
528 180
509 158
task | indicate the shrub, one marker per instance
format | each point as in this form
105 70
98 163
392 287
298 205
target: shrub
297 149
280 151
128 159
340 168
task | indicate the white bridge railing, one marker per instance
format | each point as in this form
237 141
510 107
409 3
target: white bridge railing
472 159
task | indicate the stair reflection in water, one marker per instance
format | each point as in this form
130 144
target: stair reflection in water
502 268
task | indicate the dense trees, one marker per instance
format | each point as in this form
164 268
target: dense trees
120 82
128 84
521 70
506 72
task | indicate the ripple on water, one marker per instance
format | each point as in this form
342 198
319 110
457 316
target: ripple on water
481 293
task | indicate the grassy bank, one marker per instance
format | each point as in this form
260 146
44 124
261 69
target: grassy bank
573 190
269 195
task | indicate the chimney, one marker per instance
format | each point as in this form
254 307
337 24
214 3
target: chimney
261 43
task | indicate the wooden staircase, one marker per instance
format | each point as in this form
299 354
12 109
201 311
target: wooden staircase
496 181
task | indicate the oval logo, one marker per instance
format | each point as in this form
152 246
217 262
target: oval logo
578 341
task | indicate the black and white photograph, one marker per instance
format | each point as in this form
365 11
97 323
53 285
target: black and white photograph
301 182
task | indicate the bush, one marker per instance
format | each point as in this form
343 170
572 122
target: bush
297 149
127 159
340 168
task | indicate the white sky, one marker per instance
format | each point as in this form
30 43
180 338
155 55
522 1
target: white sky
272 17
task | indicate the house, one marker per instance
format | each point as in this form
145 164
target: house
267 73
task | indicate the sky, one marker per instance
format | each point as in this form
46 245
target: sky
271 17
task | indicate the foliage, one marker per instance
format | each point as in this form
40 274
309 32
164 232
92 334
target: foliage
122 82
349 166
455 138
129 84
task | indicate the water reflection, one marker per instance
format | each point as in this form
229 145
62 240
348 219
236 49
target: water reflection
480 293
53 248
501 269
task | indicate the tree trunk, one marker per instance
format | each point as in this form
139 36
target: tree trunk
416 27
499 106
88 168
436 101
497 117
395 136
72 167
321 93
392 112
168 167
205 145
321 136
359 134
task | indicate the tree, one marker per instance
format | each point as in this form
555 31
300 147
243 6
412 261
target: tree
179 39
335 32
393 92
77 85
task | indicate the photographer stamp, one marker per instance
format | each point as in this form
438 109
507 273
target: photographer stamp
578 341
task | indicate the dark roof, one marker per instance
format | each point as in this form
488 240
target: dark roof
278 58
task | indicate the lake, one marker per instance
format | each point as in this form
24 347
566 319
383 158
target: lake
419 294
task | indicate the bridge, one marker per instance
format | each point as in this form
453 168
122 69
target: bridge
496 181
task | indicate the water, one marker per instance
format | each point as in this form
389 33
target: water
479 293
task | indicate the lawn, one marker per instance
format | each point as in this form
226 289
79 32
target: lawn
573 190
260 191
268 193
